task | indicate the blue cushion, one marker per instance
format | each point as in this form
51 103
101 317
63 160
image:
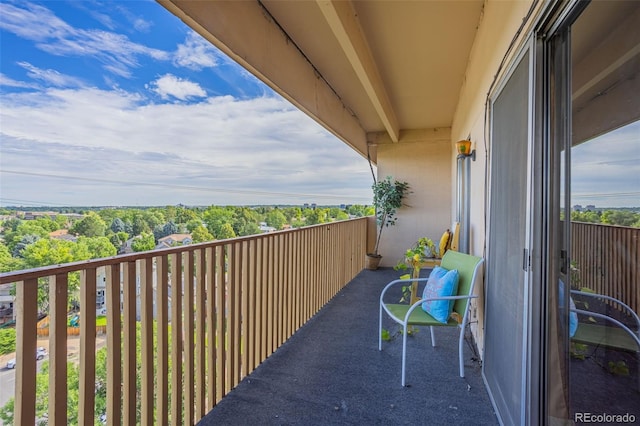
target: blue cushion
573 316
441 283
573 319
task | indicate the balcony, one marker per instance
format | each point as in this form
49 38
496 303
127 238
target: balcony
294 309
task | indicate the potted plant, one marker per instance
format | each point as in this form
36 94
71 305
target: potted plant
387 199
414 258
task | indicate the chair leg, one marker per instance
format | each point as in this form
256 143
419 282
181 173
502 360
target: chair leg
460 346
404 353
433 336
380 330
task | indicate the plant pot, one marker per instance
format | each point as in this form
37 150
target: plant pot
372 261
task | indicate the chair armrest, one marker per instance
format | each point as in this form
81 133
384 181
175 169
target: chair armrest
613 299
394 282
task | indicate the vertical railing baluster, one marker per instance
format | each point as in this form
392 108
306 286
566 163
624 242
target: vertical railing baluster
188 338
26 320
146 337
221 323
86 409
130 397
245 316
58 299
176 338
200 335
162 318
210 326
114 349
234 343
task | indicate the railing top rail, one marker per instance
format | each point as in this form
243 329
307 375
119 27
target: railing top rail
25 274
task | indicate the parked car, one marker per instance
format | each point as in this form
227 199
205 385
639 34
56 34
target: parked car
40 354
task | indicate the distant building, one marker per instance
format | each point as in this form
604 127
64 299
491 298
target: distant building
591 207
577 208
63 234
265 228
174 239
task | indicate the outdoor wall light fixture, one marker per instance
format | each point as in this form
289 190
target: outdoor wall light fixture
464 149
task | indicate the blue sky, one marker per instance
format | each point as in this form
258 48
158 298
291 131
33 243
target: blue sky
120 103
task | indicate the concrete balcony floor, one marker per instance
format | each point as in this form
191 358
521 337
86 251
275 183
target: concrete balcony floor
330 372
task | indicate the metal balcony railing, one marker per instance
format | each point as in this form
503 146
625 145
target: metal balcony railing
209 314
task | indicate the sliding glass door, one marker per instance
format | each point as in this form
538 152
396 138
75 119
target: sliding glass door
591 355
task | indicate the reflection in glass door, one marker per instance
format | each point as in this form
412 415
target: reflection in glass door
593 330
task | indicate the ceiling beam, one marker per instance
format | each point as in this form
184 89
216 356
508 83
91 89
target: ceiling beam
342 19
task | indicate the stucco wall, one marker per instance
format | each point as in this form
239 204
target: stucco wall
426 165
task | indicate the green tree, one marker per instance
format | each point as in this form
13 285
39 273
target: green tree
620 217
162 231
216 218
27 227
8 262
139 225
10 225
145 242
184 215
97 248
586 216
292 213
193 224
25 241
117 225
276 219
315 216
225 231
201 234
91 225
47 223
7 340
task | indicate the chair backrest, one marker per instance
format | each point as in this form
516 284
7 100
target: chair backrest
468 269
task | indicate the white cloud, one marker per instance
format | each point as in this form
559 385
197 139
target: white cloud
53 35
171 86
219 151
9 82
50 76
195 53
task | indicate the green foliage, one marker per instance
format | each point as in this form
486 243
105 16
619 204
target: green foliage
201 234
619 368
7 340
8 262
387 199
276 218
91 225
117 225
96 248
162 231
145 242
219 221
315 216
225 231
618 217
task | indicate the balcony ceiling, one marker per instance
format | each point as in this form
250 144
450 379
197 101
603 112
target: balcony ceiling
363 69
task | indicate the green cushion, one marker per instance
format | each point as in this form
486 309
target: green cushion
418 316
615 337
